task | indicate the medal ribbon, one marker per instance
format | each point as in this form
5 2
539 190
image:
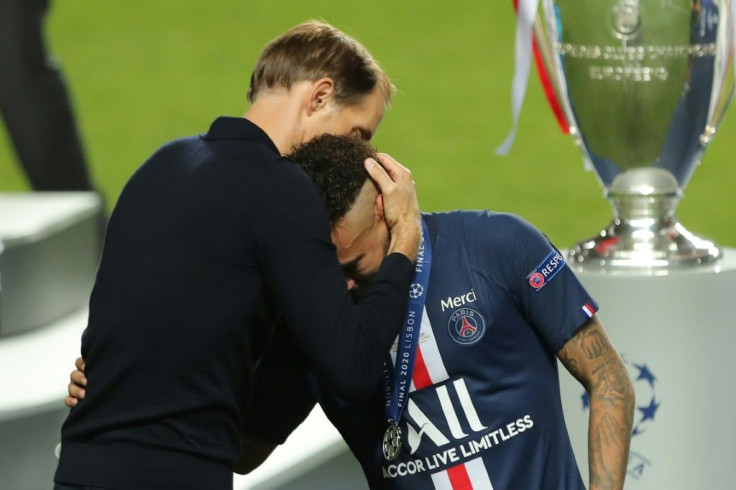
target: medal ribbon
398 381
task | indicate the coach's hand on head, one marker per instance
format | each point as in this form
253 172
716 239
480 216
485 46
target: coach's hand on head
400 205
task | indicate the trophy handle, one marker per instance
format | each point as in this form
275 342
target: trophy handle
550 73
725 73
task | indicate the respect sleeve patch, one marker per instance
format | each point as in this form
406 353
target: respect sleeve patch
546 270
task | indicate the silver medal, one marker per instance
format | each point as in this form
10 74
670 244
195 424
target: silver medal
392 442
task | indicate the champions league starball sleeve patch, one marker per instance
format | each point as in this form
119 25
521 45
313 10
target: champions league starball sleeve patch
546 270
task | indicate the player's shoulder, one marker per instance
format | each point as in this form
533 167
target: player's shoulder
485 225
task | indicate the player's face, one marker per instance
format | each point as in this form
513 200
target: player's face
361 119
362 239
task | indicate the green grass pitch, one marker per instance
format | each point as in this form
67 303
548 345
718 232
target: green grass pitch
145 72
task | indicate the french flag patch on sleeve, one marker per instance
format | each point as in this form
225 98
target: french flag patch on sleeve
587 310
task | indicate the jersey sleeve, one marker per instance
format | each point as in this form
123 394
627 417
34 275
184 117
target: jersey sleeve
284 391
345 342
535 273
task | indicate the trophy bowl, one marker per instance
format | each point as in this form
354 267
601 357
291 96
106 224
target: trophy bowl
644 85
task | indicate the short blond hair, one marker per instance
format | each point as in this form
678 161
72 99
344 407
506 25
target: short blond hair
315 50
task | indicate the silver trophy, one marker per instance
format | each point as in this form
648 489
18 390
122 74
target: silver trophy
644 85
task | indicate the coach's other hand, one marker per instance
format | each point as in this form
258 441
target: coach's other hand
77 383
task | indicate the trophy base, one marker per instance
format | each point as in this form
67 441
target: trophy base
626 245
644 235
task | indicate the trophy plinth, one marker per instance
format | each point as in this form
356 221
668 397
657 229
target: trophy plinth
644 233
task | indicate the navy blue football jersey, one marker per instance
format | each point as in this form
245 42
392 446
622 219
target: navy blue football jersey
484 408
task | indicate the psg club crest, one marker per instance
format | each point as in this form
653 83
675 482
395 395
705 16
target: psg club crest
466 326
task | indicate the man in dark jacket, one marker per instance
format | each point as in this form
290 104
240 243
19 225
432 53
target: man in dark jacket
211 240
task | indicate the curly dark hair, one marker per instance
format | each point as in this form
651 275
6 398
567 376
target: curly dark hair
335 164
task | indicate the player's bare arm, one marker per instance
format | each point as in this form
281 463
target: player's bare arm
592 360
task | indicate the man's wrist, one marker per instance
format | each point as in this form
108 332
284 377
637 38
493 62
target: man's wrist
405 239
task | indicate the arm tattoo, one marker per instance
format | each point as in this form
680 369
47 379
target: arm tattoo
593 344
590 358
570 363
610 382
608 435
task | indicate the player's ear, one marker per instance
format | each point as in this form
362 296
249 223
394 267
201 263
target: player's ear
323 90
378 207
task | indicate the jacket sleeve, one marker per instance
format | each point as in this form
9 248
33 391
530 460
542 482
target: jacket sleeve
284 391
345 342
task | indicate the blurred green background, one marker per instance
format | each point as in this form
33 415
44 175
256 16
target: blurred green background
145 72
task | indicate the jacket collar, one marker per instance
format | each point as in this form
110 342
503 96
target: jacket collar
238 128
